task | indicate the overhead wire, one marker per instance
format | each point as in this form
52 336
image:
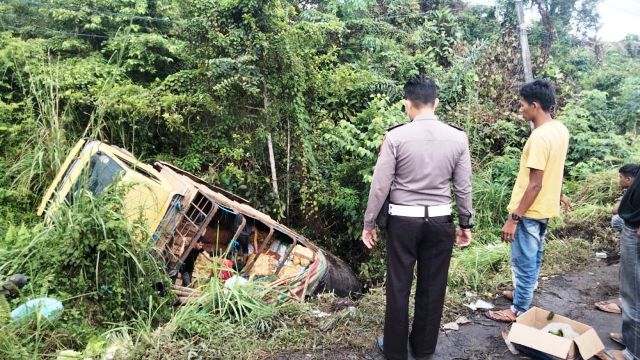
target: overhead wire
167 20
48 30
152 19
102 12
43 29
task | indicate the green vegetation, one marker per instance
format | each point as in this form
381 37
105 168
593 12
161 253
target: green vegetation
206 84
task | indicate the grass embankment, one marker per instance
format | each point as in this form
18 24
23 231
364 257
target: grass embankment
91 261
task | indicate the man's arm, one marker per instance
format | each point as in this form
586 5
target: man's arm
380 185
463 193
615 208
565 201
532 191
530 195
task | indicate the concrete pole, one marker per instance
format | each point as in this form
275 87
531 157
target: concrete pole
524 43
524 46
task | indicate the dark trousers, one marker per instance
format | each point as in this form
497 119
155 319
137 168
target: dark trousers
186 278
430 243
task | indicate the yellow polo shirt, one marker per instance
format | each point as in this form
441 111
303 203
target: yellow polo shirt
546 149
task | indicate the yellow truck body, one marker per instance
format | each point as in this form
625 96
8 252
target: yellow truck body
99 164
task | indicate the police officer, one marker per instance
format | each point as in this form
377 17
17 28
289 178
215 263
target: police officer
415 166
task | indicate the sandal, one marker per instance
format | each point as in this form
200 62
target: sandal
617 337
505 315
508 294
610 306
610 355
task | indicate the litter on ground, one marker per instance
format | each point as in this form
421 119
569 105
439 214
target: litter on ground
319 314
480 304
451 326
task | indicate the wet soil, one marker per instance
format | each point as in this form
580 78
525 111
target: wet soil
571 295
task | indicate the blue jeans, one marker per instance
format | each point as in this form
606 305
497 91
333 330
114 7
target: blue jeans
630 291
526 258
617 223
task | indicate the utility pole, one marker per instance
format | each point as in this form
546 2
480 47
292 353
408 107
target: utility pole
524 46
524 43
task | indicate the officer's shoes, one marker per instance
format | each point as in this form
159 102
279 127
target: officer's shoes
380 347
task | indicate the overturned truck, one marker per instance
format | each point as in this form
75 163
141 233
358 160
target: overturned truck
181 210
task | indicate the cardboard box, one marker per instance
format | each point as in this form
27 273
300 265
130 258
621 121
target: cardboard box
526 331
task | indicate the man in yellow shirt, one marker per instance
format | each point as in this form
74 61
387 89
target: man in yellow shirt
536 194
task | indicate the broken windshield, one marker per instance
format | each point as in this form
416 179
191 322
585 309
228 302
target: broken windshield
102 171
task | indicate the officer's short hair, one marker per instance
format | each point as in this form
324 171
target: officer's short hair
540 91
629 170
420 90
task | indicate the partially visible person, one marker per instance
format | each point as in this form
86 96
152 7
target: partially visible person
629 211
626 175
536 195
186 270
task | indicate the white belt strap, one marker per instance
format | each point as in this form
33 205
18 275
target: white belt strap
419 211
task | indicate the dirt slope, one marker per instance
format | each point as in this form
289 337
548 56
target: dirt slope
571 295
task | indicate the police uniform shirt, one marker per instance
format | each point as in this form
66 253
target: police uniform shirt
417 163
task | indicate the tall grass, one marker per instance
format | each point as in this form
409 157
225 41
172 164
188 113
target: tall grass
93 260
490 205
45 150
51 121
491 194
599 188
480 267
234 323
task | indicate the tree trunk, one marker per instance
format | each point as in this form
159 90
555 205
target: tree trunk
524 43
272 159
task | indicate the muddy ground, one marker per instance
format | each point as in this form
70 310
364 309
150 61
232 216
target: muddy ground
571 295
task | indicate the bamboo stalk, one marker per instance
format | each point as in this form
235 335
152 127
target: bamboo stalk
306 284
293 295
280 281
181 293
184 288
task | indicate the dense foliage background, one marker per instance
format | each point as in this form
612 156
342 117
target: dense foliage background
204 84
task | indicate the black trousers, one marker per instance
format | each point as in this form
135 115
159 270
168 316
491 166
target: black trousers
429 242
186 278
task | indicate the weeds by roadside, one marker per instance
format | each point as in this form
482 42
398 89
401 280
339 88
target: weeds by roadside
93 260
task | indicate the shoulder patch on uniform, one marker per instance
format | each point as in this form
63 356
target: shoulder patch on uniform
396 126
457 128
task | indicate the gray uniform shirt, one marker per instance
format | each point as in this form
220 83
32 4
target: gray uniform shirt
417 163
